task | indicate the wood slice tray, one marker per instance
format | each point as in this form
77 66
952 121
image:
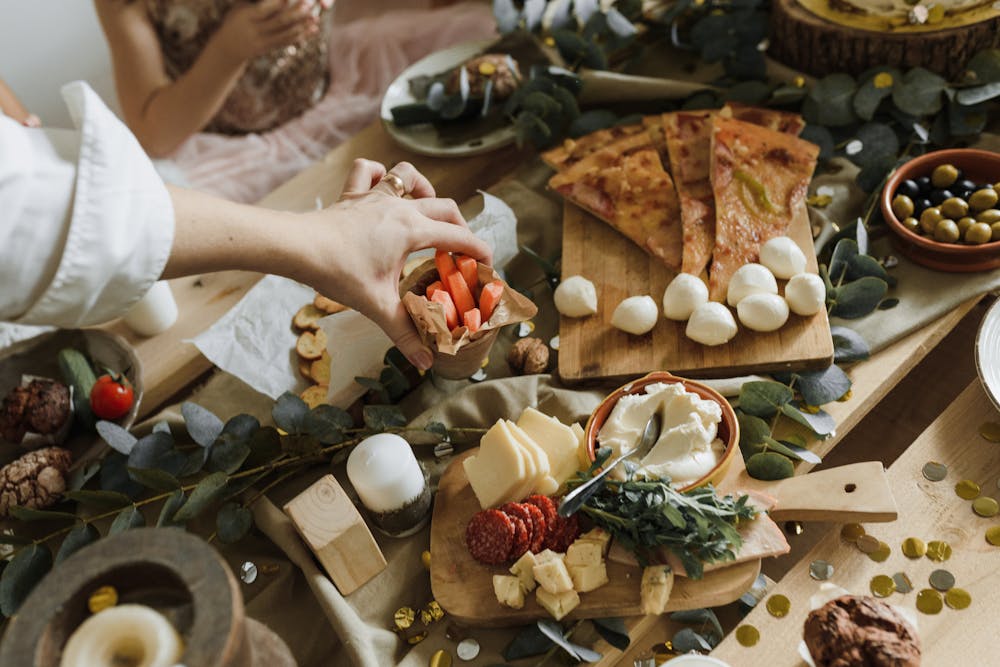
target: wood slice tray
591 349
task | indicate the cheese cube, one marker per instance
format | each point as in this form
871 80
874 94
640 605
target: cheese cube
657 582
558 604
583 552
553 576
582 455
508 591
598 535
522 569
547 555
543 482
588 577
557 439
497 473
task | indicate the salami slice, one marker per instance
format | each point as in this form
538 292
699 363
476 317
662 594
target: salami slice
564 533
548 508
540 528
519 510
522 538
489 536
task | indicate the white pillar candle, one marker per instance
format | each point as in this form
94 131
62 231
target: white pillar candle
385 473
155 312
129 634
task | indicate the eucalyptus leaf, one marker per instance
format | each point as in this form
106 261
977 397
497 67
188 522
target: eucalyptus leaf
238 485
170 506
150 450
507 15
300 445
620 25
822 137
265 446
861 236
918 92
553 631
115 477
879 142
763 398
749 92
699 617
965 121
842 253
985 66
228 455
584 10
833 98
204 494
859 298
203 426
753 431
241 426
848 345
154 478
194 462
860 266
394 382
128 518
529 642
869 96
288 412
101 499
79 477
769 466
327 423
687 640
16 540
888 304
613 631
32 514
823 386
383 417
117 438
978 94
820 423
233 522
797 451
21 576
438 429
162 427
871 176
77 539
533 11
374 386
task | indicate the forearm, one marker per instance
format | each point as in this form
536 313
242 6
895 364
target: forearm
10 105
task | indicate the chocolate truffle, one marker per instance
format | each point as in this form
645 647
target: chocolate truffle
860 631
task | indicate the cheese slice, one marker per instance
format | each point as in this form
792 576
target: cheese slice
557 439
582 455
508 591
588 577
498 472
558 604
544 482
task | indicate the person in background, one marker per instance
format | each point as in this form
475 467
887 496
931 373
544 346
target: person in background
88 226
11 106
243 95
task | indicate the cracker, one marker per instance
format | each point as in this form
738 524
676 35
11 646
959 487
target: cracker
304 365
314 396
311 345
308 317
319 370
328 306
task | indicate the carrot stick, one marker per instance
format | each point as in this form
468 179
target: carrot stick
469 270
489 298
445 264
460 293
473 320
450 312
433 287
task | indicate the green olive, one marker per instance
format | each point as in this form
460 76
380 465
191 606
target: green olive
913 224
954 208
902 207
989 216
946 231
929 219
996 231
980 200
978 234
964 224
944 175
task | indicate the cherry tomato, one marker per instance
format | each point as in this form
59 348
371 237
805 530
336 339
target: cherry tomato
111 397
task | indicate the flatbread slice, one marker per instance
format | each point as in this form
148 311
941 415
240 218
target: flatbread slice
688 136
779 121
573 150
625 185
759 178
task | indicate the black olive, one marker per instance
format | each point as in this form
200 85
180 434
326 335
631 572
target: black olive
938 196
921 205
924 183
967 185
909 188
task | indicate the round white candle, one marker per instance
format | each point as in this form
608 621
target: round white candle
155 312
384 472
127 634
695 660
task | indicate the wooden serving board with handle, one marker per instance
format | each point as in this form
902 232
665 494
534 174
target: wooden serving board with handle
590 348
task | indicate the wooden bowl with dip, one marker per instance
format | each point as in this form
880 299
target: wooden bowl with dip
728 428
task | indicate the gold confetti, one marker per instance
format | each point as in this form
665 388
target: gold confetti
914 547
663 652
800 82
942 580
747 635
934 471
103 598
486 362
404 617
882 586
793 527
903 583
819 201
929 601
431 613
935 14
440 658
852 532
958 598
990 431
487 69
882 80
967 489
425 558
993 535
846 397
881 554
270 568
868 543
778 606
413 640
549 41
811 409
938 551
985 506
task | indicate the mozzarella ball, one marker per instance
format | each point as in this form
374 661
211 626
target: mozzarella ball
683 295
635 315
805 294
763 312
576 297
711 323
783 257
750 279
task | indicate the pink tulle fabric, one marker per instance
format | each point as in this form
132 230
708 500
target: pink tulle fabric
365 56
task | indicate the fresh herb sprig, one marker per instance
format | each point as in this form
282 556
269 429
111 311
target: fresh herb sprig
699 525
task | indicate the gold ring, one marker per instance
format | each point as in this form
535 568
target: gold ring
395 183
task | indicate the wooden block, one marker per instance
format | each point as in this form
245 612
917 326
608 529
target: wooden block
333 528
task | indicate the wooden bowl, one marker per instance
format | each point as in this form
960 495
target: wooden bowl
980 166
729 426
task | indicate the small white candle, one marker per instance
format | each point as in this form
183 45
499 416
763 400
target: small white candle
155 312
695 660
385 473
130 634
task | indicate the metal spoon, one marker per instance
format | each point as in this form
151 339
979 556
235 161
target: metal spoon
575 499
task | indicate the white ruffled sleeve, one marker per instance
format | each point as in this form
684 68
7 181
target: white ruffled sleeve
87 224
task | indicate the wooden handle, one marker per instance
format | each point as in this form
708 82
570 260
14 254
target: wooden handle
853 493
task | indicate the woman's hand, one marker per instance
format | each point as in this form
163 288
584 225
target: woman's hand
361 243
250 30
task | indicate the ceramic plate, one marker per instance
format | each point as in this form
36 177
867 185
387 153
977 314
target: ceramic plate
424 139
988 353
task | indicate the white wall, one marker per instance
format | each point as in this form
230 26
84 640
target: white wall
46 43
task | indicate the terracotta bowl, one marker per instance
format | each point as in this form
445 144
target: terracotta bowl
981 167
729 427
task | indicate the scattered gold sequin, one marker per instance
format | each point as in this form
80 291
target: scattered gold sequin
820 570
934 471
413 640
404 617
942 580
550 41
778 605
486 362
425 558
269 568
440 658
929 601
882 80
819 201
431 613
487 69
903 583
914 547
993 535
846 397
938 551
958 598
747 635
103 598
851 532
990 431
868 543
935 14
967 489
793 527
663 651
882 586
800 82
985 506
881 554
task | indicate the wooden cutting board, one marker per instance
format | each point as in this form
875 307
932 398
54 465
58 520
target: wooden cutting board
590 348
